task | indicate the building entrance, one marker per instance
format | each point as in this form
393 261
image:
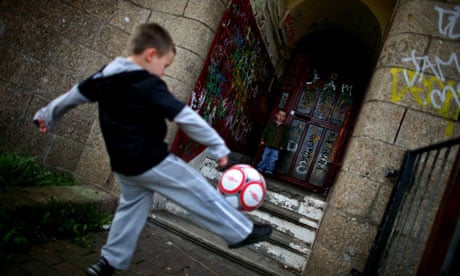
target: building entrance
321 92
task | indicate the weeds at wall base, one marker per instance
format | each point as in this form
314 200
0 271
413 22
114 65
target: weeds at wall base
21 228
42 224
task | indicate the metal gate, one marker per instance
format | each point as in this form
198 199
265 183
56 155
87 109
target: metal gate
406 226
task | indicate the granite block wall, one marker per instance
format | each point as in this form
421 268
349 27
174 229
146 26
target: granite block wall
47 46
413 100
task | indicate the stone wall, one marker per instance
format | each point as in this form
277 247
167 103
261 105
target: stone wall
268 15
412 101
47 46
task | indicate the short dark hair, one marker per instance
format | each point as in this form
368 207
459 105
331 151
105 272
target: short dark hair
282 109
150 35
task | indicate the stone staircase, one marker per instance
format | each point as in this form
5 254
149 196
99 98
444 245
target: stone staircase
295 215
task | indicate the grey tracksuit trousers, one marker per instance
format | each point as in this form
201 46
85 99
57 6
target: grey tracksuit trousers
180 183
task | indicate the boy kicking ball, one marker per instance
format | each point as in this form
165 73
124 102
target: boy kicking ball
133 104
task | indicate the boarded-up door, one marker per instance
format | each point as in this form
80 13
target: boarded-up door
321 99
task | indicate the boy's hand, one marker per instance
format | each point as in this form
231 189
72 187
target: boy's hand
41 125
223 161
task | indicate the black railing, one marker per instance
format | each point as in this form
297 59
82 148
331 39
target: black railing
409 216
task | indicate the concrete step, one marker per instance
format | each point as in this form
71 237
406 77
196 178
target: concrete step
19 198
290 236
245 256
295 215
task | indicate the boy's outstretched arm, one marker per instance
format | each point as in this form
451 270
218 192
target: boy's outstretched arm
200 131
46 117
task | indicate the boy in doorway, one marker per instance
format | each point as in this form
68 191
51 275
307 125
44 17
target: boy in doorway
274 138
133 105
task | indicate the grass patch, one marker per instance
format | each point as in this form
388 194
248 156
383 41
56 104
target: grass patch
19 171
56 220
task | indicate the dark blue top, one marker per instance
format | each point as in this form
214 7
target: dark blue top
133 107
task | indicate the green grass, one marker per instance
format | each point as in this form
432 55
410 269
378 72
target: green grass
16 170
56 220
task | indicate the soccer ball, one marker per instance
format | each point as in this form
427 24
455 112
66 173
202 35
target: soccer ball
243 187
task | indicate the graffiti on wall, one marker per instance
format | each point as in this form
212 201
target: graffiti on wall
427 83
448 19
233 91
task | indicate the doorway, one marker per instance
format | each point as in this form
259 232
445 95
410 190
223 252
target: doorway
322 91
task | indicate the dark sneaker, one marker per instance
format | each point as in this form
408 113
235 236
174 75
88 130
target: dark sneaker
101 267
259 233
